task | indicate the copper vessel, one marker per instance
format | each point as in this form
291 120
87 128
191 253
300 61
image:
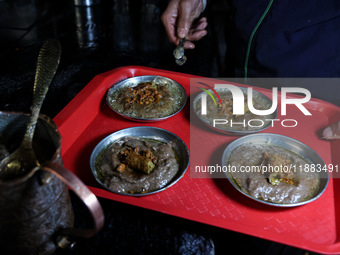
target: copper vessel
36 215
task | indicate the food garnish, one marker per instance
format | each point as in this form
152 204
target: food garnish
138 160
277 169
144 94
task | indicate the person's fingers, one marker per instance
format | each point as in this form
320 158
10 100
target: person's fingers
198 31
172 35
197 35
201 24
169 20
188 11
332 131
184 19
178 21
189 45
194 37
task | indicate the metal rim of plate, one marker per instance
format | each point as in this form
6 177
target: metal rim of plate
145 132
284 142
133 82
230 131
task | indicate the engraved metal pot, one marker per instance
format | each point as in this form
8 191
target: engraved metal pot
36 215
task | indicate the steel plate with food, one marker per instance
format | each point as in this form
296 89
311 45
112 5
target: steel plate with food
139 160
219 112
275 169
147 98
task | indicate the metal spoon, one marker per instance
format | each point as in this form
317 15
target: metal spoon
23 159
178 53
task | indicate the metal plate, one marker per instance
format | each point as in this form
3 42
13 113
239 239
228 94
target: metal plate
284 142
231 131
153 133
134 81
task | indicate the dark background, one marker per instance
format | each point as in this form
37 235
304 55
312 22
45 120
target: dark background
96 39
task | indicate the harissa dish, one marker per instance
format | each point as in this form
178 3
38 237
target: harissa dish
139 160
147 97
227 121
272 171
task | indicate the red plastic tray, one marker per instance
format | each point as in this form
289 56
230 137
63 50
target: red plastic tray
87 119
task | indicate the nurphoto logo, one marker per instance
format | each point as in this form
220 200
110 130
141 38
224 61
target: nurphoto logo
238 100
241 105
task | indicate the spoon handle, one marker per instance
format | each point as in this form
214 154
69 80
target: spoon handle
181 42
48 61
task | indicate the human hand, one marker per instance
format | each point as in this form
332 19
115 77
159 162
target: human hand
178 20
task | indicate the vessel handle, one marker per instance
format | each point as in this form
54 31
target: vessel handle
84 193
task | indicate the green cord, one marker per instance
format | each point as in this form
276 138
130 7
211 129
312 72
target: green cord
252 36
